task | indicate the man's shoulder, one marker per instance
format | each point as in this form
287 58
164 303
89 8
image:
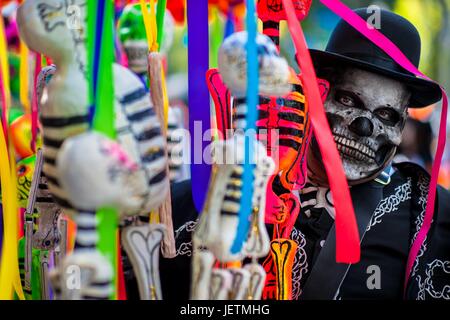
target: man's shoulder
183 207
419 174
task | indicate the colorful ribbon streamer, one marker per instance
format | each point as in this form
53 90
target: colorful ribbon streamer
34 104
347 237
250 137
199 107
9 264
150 25
9 268
23 76
395 53
160 14
4 70
101 101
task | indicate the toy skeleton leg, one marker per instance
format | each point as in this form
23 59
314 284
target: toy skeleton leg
202 264
256 282
240 286
221 284
142 244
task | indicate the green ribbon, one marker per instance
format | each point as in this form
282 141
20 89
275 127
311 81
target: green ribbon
100 46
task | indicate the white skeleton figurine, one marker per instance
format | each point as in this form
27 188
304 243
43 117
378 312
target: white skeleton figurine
86 170
219 220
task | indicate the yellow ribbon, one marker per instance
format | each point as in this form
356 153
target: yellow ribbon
24 78
150 24
9 265
4 67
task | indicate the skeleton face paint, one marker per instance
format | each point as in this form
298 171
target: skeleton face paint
366 113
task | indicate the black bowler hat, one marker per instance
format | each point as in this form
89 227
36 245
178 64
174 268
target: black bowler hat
347 46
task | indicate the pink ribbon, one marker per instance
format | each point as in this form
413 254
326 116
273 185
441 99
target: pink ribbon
395 53
34 103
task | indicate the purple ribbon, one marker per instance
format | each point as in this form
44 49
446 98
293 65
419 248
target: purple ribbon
198 64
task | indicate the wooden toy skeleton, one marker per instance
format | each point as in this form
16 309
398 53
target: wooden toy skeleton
129 174
218 223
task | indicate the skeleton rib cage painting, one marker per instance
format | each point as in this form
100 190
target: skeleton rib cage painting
199 149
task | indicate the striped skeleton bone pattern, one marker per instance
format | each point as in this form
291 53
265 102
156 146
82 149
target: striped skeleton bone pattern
85 170
219 219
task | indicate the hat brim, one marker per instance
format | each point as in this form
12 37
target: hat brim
423 92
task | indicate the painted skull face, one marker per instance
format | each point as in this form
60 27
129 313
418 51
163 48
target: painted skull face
56 28
132 35
274 72
366 113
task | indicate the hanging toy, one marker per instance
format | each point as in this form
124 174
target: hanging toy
219 219
271 12
132 35
91 171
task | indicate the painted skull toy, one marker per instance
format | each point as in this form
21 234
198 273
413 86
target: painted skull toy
218 223
132 35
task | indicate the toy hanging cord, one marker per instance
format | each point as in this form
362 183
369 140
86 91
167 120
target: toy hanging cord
101 100
347 236
154 29
199 108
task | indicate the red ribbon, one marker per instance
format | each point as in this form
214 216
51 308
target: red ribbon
347 236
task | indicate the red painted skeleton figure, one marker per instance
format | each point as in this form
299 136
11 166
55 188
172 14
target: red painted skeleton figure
284 128
271 12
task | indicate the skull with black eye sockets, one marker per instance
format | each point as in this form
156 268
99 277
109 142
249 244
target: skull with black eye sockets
366 113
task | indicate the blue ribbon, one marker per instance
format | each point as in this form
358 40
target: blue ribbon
229 26
252 101
101 7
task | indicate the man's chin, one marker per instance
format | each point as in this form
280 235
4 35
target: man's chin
317 173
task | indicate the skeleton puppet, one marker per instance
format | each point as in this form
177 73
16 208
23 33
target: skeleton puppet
283 126
132 35
218 223
92 171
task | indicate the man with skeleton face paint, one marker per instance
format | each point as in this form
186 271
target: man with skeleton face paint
366 113
367 106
